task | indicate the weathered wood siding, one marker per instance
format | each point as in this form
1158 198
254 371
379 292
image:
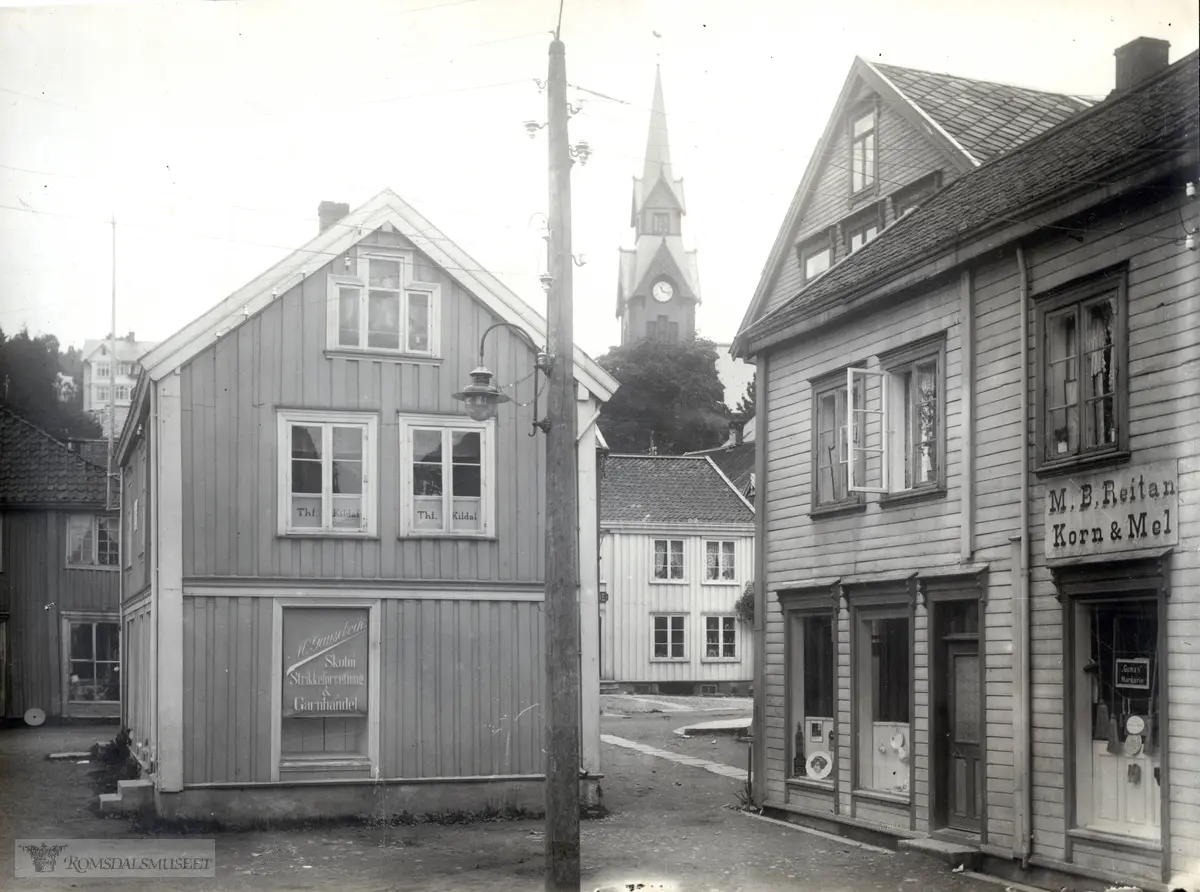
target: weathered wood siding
35 588
137 655
462 694
634 596
230 394
135 557
905 155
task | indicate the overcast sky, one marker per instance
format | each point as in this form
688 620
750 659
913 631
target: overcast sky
213 129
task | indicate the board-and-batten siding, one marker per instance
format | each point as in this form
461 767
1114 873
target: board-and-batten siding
136 486
36 587
905 156
229 396
473 707
1163 324
634 596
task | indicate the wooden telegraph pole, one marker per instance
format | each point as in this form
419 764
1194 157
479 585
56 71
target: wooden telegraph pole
562 513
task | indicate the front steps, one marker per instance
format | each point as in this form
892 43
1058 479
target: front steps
133 797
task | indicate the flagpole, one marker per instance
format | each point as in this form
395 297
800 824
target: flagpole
113 366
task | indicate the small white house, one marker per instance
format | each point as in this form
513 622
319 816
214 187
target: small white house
676 552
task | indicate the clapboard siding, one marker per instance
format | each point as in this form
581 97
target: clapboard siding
473 707
230 394
36 587
634 597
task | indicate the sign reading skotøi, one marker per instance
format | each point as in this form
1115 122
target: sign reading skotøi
325 654
1109 512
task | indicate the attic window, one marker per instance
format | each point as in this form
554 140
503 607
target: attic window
816 256
863 152
383 310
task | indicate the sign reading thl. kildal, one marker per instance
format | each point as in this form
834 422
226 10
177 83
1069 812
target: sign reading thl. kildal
1110 512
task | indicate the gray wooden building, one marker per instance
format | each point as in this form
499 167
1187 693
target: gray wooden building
343 610
978 467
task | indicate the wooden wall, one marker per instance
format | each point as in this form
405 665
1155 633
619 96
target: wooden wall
462 688
277 358
627 567
135 559
35 587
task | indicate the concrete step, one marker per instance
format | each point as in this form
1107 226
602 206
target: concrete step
132 797
956 854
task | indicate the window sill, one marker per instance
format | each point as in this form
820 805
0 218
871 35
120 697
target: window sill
380 356
838 509
807 783
104 567
719 582
866 192
720 659
668 582
324 763
322 534
460 537
1082 463
880 796
1116 840
668 659
909 496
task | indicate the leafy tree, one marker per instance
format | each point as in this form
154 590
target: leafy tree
30 385
671 398
745 406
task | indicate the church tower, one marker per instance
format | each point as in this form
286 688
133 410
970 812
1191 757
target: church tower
659 283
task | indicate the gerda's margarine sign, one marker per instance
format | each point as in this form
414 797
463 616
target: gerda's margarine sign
1111 512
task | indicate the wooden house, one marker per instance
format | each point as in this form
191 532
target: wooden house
338 609
677 549
978 485
60 548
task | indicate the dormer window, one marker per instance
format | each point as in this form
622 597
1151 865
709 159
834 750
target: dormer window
816 256
863 152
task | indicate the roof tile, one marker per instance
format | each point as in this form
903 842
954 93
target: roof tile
36 469
668 489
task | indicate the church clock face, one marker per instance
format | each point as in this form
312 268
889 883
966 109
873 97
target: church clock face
662 291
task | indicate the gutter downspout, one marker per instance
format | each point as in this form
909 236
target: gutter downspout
1022 615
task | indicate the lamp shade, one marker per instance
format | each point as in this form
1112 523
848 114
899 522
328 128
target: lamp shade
481 396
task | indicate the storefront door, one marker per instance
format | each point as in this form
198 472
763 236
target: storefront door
958 727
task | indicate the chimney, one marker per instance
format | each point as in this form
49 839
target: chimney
1139 60
736 428
129 337
330 212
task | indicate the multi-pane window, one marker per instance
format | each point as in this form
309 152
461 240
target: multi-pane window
661 223
326 468
382 310
668 559
122 393
95 662
125 369
719 563
103 393
862 151
93 540
816 258
447 477
884 732
669 638
831 459
1081 349
103 370
858 237
720 638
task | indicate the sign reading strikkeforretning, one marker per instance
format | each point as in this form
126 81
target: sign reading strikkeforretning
1113 511
116 859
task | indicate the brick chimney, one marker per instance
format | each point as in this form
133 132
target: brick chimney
1139 60
330 212
736 428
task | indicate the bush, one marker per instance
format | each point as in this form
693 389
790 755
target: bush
744 608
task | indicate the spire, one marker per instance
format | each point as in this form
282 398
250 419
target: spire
658 154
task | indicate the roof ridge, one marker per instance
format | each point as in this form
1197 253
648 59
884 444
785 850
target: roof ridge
979 80
49 436
691 455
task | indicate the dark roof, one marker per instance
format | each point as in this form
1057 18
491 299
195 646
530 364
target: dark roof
36 469
984 118
735 462
1084 152
668 489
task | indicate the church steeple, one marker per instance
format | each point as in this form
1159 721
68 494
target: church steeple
658 152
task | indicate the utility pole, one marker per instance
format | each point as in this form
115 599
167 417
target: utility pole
112 374
562 515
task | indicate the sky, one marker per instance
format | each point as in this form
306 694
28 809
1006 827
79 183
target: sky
212 130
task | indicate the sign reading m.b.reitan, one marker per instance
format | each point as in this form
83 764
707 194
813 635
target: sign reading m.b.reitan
1110 512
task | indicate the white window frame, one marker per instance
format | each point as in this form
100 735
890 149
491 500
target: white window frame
881 451
103 393
720 579
103 371
668 579
88 707
369 422
122 392
94 562
448 424
408 286
125 369
721 630
683 634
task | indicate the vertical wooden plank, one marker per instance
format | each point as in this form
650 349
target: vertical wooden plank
51 686
247 687
133 659
505 660
530 748
411 695
266 706
391 559
429 645
201 644
448 688
265 523
206 372
191 518
246 442
220 693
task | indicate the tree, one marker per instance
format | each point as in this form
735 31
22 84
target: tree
31 386
745 406
670 399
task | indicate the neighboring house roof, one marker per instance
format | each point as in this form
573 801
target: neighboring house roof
385 208
967 131
126 350
669 489
1129 130
735 462
36 469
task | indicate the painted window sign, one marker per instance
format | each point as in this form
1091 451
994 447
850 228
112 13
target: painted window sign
1112 511
1133 673
325 662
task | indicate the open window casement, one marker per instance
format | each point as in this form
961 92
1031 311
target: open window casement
867 430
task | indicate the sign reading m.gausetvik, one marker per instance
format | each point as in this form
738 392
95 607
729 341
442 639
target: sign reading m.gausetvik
1110 512
325 662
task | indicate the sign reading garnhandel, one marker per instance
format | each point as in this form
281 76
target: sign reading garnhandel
1110 512
325 653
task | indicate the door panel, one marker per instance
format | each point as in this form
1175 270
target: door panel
962 772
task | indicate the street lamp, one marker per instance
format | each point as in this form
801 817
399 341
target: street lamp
483 396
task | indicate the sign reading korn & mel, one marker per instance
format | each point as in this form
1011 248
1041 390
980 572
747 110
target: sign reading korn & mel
325 659
1110 512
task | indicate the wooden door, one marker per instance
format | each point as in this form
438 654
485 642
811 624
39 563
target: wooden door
962 767
3 668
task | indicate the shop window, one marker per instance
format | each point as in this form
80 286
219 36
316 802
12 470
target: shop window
668 560
1118 734
670 637
326 468
884 734
811 695
95 662
720 638
448 474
